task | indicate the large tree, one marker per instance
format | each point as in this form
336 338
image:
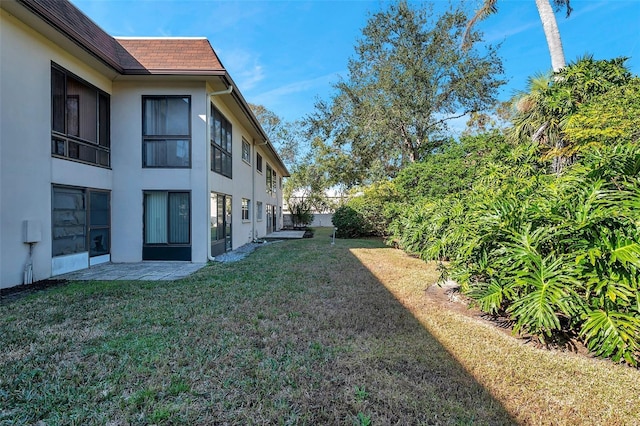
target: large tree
288 138
549 24
406 82
307 187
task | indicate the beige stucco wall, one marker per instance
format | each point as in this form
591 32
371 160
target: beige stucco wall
131 179
247 182
27 169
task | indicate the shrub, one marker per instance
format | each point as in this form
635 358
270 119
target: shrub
376 205
301 213
349 223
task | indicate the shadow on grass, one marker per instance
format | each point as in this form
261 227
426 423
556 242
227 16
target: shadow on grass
407 375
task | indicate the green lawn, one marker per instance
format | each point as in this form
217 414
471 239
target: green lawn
300 332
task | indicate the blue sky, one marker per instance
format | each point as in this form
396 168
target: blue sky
286 54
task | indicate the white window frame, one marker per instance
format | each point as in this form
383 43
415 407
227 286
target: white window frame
246 213
259 212
246 153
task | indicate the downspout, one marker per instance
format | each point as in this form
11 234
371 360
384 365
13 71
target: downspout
208 171
254 237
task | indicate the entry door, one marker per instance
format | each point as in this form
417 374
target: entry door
271 218
220 224
99 222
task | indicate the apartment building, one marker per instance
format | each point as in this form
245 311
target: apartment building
122 149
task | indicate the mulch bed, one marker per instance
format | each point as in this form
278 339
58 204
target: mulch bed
13 293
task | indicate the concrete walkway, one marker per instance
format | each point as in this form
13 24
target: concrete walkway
285 235
142 271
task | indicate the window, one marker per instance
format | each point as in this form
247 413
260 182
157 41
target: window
221 143
80 120
167 218
259 212
166 131
259 162
81 221
246 151
271 180
274 181
245 209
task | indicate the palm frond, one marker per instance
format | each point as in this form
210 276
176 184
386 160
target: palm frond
488 8
613 334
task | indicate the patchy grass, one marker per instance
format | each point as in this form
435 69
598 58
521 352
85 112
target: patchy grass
300 332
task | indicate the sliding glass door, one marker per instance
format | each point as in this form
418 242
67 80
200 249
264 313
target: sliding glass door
167 225
271 218
220 224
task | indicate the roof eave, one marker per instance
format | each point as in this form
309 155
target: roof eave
84 43
174 72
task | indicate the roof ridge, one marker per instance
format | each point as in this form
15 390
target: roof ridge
157 38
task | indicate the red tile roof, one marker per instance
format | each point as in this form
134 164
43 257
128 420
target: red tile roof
129 55
170 55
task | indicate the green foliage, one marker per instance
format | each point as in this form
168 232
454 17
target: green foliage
376 204
609 118
361 393
363 419
287 137
557 254
452 168
543 111
612 334
349 223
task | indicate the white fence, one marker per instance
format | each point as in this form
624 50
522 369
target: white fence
319 220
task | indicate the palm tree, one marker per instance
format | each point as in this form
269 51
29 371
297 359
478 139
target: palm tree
549 24
551 99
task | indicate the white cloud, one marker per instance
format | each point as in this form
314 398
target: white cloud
294 87
499 33
244 67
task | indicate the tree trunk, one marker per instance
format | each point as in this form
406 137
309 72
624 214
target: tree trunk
551 32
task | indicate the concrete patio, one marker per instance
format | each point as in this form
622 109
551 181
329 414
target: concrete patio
164 271
142 271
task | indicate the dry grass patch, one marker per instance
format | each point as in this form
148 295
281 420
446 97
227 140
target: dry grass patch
299 332
535 385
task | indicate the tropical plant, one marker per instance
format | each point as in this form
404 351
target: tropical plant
564 258
559 255
543 111
609 118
